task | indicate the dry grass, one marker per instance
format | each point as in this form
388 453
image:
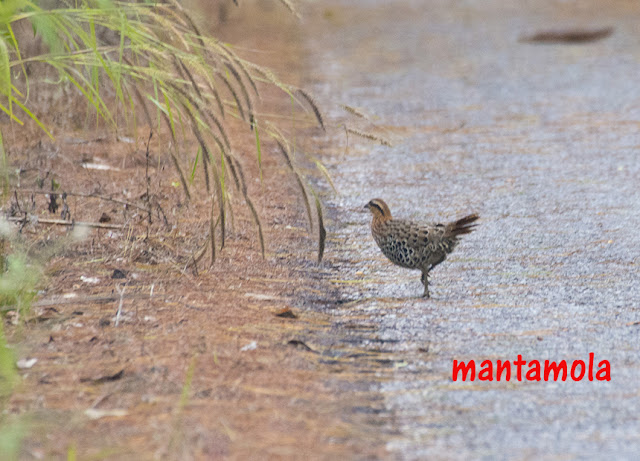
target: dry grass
132 62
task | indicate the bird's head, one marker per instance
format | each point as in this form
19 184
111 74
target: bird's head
378 209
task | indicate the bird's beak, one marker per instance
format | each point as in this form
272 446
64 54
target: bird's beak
366 207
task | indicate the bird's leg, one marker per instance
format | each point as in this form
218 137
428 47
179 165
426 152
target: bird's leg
425 281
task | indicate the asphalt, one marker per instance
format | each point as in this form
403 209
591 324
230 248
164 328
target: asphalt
542 141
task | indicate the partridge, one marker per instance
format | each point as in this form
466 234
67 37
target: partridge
414 245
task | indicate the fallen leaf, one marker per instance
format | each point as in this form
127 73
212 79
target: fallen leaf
92 280
249 347
300 344
261 297
99 166
104 218
25 364
94 413
286 313
104 379
118 274
569 35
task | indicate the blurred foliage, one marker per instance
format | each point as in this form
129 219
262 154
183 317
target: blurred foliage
149 59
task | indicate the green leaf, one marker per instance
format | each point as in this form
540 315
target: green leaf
7 10
45 26
105 4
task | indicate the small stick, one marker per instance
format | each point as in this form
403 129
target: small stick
60 301
17 201
78 194
60 222
119 313
148 181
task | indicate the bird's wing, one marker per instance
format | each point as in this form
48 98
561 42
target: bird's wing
418 236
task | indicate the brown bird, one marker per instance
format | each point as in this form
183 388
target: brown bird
412 245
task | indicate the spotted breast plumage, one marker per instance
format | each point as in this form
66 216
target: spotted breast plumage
415 245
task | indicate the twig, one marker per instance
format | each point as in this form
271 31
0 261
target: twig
196 257
61 222
17 201
119 313
78 194
148 181
99 299
212 235
160 211
59 301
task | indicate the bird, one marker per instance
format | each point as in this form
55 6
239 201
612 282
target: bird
415 245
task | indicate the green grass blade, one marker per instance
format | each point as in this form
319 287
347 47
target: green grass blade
195 165
167 104
4 177
4 109
33 117
5 74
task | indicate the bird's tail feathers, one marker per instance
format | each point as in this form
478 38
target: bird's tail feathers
463 226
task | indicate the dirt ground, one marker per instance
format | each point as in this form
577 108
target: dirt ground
200 366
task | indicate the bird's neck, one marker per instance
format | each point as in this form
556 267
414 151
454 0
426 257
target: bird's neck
379 221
